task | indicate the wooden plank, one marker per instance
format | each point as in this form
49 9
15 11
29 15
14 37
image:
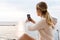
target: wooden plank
26 37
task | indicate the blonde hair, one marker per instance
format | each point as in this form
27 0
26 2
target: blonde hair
42 6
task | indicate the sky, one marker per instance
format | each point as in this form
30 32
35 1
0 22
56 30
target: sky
17 9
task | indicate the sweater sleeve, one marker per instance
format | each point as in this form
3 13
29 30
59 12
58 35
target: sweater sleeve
37 26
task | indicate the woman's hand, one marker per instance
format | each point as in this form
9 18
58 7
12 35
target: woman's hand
31 20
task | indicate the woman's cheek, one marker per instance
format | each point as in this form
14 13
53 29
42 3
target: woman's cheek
37 13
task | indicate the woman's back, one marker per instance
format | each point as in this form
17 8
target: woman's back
47 31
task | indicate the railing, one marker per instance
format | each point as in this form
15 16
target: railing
3 38
58 34
8 23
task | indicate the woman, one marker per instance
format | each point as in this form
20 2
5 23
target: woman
46 25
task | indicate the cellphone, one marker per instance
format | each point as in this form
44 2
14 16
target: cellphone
28 16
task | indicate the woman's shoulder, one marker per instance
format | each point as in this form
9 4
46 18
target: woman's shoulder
42 21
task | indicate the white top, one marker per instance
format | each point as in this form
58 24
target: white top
46 32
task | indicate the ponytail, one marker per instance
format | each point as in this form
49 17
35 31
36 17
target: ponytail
49 19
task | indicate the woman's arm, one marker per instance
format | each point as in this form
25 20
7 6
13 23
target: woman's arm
37 26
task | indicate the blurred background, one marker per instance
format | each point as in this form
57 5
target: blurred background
16 10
